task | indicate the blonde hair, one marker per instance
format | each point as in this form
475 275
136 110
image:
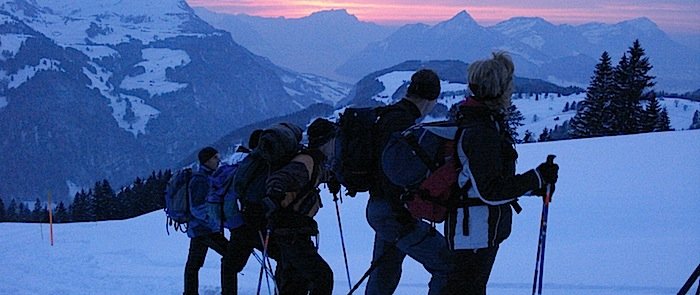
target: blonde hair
491 80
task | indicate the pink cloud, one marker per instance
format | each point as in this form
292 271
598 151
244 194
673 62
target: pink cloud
675 15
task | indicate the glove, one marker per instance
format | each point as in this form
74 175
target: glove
549 172
269 206
333 186
543 191
272 201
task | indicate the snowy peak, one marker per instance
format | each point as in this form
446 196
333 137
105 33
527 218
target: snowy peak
107 22
333 15
460 21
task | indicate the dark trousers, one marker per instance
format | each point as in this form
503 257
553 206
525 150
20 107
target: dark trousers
195 258
243 240
472 271
300 269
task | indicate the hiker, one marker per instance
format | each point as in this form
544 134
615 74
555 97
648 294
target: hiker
202 235
488 158
397 233
282 224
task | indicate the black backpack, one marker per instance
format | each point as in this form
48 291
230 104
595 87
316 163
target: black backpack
356 159
277 146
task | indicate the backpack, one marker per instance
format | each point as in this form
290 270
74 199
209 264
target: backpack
222 201
177 200
356 162
423 160
277 145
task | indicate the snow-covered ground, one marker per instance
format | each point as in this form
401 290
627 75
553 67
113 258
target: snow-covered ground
624 220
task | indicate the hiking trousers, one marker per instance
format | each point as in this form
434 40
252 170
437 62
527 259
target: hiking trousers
199 247
300 269
472 271
244 240
393 240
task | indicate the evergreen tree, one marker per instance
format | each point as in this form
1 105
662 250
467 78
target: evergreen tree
650 119
514 119
3 216
664 122
528 137
37 213
631 79
566 107
11 214
593 115
695 124
61 213
104 201
544 136
23 214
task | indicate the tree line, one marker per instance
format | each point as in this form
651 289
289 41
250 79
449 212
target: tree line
615 96
98 203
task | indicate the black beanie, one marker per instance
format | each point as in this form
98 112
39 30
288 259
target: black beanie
206 153
320 131
424 84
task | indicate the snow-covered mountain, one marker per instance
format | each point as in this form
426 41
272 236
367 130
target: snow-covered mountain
562 54
317 43
115 89
622 222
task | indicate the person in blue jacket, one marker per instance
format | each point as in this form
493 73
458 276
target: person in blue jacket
202 235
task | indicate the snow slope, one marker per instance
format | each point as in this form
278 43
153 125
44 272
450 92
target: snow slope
623 221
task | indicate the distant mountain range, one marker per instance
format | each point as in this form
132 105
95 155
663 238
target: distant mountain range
98 89
562 54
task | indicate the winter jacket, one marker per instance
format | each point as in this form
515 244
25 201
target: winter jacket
483 217
199 188
299 181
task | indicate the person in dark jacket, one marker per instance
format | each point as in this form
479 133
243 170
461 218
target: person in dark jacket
202 236
483 219
397 233
291 201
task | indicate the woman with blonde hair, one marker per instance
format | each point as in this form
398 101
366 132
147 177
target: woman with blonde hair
483 217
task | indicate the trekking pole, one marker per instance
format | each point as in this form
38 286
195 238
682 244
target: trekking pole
695 276
371 268
342 239
264 241
539 263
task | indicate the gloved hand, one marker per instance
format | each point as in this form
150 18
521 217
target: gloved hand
543 191
333 186
269 206
549 172
272 201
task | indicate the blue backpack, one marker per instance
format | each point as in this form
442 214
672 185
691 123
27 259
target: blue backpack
222 200
177 208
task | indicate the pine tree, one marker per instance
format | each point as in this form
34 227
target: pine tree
664 122
544 136
61 214
23 212
631 79
528 137
37 213
593 114
650 118
11 214
514 119
566 107
2 211
695 124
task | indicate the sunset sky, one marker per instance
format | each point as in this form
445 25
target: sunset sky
673 16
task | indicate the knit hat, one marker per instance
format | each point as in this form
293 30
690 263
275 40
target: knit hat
424 84
206 153
320 131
